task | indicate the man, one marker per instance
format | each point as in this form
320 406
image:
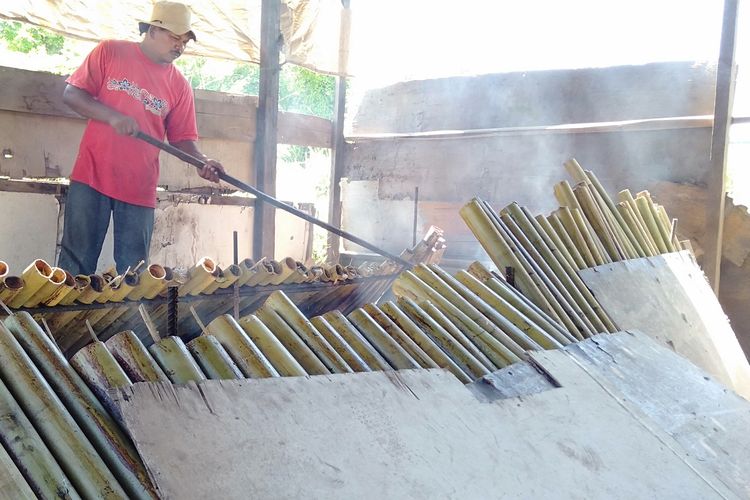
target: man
122 88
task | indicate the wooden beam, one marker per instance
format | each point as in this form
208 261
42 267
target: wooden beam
725 79
264 226
337 141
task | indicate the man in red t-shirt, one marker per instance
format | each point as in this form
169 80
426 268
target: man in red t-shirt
123 87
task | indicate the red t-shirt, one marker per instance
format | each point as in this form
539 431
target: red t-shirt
160 99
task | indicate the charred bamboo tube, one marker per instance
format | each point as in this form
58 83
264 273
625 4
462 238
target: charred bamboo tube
18 436
494 244
35 276
10 287
540 330
72 450
415 333
134 358
279 302
213 359
291 342
262 335
463 358
397 334
497 352
98 426
334 338
396 356
577 290
201 276
150 283
251 361
55 280
645 209
357 341
175 360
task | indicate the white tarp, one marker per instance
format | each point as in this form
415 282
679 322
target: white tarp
226 29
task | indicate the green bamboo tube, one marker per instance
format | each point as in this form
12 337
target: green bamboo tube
288 271
463 358
555 242
665 223
559 267
265 271
494 244
56 279
263 336
10 287
571 237
419 337
506 318
175 360
230 276
396 356
397 334
150 283
41 473
279 302
565 197
81 282
134 358
57 295
126 286
334 338
627 214
252 362
520 316
248 268
645 209
592 240
498 352
35 276
357 341
626 197
598 222
200 276
72 450
430 277
213 359
102 431
93 290
663 228
292 342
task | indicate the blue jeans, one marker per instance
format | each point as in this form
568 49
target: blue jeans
87 214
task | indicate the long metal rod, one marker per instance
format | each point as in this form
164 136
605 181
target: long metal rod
270 199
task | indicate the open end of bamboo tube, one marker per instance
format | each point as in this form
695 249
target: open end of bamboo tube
3 269
13 282
132 279
43 268
58 276
233 270
69 280
156 271
97 282
207 264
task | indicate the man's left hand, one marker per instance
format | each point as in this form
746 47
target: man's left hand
211 170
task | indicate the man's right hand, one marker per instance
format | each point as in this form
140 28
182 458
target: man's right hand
123 124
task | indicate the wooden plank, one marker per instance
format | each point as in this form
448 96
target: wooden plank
406 434
264 226
667 297
725 79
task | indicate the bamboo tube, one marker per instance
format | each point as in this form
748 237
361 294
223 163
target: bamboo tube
598 222
357 341
565 197
231 275
134 358
565 227
626 197
463 358
4 269
279 302
251 361
265 336
333 337
213 359
10 287
93 290
396 356
288 270
416 334
591 239
175 360
540 330
662 227
39 468
35 276
496 247
555 242
151 281
248 268
666 226
56 296
73 452
489 343
55 280
397 334
645 209
102 431
125 287
567 277
291 342
201 275
627 214
265 269
81 282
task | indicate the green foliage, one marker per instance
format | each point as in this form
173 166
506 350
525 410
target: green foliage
24 38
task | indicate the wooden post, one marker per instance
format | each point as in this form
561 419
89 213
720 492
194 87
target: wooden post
264 227
337 142
725 76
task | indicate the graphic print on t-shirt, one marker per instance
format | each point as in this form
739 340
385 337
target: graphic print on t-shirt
150 102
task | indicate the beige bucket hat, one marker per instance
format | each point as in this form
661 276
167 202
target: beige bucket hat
173 16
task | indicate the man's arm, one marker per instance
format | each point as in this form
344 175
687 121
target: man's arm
85 105
211 169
